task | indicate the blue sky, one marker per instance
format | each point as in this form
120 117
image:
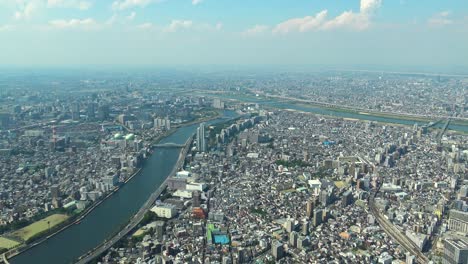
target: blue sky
173 32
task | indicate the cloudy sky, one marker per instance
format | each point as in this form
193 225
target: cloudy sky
273 32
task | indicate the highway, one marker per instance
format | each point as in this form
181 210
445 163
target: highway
396 234
139 215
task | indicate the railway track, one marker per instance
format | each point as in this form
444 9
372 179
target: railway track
396 234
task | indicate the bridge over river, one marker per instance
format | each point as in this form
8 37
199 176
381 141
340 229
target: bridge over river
170 145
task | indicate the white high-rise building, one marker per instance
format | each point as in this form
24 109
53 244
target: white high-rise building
201 141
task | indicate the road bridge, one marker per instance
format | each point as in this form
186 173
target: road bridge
170 145
443 130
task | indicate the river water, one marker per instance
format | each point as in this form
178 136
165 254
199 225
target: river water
110 216
281 104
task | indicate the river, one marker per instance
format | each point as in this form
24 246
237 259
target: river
277 103
110 216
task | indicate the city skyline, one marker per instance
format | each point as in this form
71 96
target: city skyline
185 32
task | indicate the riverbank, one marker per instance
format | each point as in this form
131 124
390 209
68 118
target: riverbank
456 125
76 219
134 221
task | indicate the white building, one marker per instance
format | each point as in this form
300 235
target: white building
164 210
195 186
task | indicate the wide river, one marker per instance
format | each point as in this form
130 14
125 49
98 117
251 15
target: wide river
281 104
110 216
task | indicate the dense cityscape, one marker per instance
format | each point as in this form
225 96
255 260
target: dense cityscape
273 182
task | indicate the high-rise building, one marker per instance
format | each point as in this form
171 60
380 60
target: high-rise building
293 236
455 251
5 120
103 112
289 225
217 103
277 250
196 199
201 140
310 208
318 217
347 198
90 109
159 229
75 110
54 191
305 228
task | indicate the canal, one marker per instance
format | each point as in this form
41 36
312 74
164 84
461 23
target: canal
110 216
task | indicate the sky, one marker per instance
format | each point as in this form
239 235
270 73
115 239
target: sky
398 33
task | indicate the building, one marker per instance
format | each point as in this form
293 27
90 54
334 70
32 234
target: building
458 221
5 120
410 259
103 112
289 225
385 258
160 229
347 198
196 199
305 228
277 250
201 140
418 239
318 217
455 251
177 183
293 236
196 186
310 208
218 104
164 210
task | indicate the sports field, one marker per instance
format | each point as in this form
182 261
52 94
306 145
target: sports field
29 231
7 243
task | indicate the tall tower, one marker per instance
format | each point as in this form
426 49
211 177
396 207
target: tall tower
201 141
310 208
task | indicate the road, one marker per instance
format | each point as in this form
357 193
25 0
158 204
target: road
94 253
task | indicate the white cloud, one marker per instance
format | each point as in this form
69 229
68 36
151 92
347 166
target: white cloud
440 19
196 2
6 28
131 16
145 26
255 30
369 6
111 20
347 20
177 25
303 24
125 4
27 10
87 23
76 4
